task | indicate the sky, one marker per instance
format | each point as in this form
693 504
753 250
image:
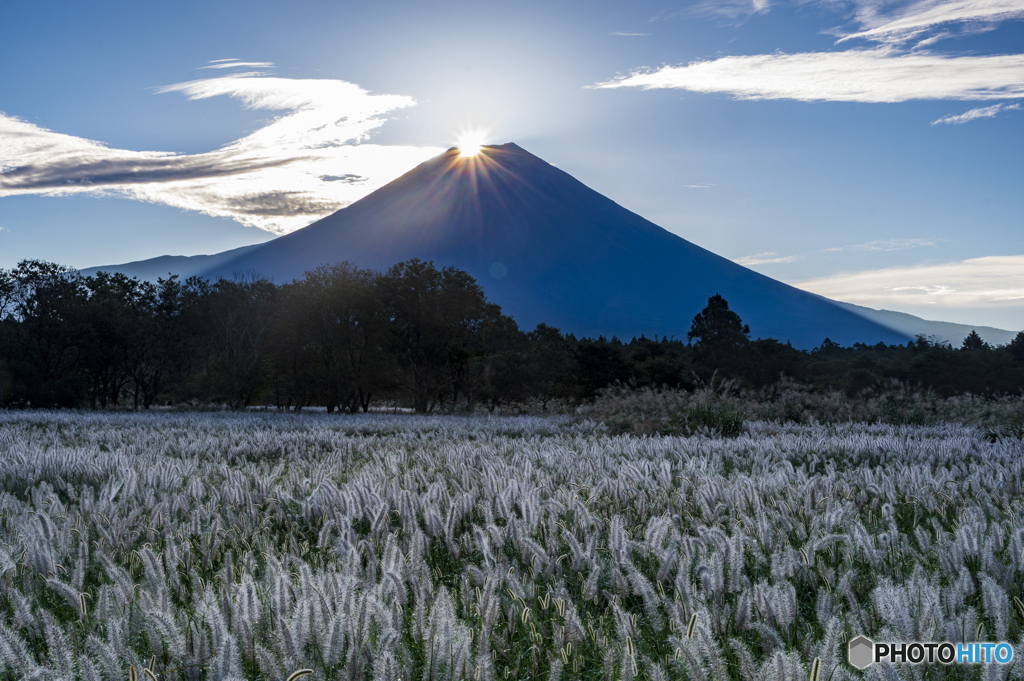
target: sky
870 151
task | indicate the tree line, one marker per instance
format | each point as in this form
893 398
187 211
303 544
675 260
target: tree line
425 337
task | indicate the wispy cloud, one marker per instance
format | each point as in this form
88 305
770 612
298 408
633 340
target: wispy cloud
307 162
728 10
723 11
914 20
698 186
889 73
627 34
885 245
973 114
995 281
765 259
234 63
875 75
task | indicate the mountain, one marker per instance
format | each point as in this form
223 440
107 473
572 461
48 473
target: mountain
547 249
183 265
940 332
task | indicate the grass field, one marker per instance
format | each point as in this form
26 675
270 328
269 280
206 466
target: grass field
252 546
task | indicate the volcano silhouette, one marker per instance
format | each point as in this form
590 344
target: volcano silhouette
547 249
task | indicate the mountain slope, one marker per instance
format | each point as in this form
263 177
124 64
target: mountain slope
941 332
183 265
547 249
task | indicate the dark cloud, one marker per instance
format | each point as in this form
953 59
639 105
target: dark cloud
69 172
348 178
282 203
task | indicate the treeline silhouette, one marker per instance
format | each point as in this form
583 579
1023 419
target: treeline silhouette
415 335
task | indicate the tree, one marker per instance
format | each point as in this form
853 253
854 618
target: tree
167 356
548 364
598 364
500 373
342 318
434 318
44 323
239 324
827 346
717 327
1016 346
973 342
116 326
296 375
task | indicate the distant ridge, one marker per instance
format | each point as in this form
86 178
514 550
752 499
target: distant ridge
182 265
547 249
941 332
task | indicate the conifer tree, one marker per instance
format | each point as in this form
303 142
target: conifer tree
973 342
1017 346
717 327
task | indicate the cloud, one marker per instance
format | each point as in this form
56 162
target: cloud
912 21
309 160
728 10
621 33
233 63
983 112
885 245
888 73
723 11
765 259
995 281
698 186
875 75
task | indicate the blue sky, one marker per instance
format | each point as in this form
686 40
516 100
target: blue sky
869 151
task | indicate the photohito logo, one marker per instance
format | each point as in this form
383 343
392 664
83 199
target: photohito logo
863 652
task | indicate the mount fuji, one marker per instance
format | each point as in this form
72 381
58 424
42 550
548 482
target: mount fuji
546 248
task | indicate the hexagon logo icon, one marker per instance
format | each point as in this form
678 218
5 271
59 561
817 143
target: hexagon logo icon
862 652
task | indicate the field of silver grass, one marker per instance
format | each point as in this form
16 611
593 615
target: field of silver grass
254 546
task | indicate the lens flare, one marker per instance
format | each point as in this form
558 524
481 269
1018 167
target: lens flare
471 142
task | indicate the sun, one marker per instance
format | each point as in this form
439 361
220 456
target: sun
470 143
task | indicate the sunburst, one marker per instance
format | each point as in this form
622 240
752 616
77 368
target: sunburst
470 143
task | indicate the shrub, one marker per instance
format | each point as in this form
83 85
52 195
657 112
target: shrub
708 410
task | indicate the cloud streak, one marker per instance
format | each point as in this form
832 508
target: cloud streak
917 18
728 10
234 63
722 11
875 75
765 259
885 245
990 282
887 73
311 159
974 114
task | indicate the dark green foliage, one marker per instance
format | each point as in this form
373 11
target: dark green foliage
46 332
439 320
598 364
549 364
343 338
973 342
1013 429
717 328
714 416
1016 347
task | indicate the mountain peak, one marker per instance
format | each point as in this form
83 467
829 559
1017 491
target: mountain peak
549 249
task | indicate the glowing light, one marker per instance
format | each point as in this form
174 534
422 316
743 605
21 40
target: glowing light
471 142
